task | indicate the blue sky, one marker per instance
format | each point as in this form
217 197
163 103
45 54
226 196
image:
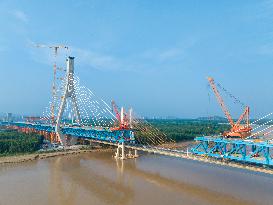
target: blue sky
151 55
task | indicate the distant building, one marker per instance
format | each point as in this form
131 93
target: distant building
9 117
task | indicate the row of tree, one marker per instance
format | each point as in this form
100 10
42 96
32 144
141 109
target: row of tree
17 142
183 130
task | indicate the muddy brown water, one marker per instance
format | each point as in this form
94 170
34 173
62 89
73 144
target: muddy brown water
97 178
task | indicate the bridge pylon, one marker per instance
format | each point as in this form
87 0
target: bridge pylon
69 92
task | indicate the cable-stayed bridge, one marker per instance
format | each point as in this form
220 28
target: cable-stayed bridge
75 112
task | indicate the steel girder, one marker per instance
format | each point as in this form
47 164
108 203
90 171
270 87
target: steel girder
87 133
105 135
235 149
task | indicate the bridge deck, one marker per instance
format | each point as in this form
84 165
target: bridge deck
249 151
82 132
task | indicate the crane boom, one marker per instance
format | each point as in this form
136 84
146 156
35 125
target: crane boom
121 117
237 130
115 109
220 101
244 115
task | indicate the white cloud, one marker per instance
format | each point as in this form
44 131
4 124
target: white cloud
266 49
146 60
164 55
171 53
96 60
3 48
20 15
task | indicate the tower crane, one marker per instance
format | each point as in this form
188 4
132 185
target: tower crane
54 89
55 47
237 130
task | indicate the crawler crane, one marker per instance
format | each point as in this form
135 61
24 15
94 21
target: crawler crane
237 130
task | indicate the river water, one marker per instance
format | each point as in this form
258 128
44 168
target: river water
97 178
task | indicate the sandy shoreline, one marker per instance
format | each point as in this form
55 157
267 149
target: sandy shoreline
44 155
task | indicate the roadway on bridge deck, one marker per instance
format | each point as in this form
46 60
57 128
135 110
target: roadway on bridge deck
149 149
188 155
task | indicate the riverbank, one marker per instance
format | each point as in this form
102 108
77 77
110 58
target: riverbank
49 154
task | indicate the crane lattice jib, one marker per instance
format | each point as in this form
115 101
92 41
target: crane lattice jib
220 101
244 115
115 109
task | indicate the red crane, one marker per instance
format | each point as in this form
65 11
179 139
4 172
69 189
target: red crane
121 117
237 130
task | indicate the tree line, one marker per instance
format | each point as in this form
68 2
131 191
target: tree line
183 130
12 142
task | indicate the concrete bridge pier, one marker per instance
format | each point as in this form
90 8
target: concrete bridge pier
136 153
70 140
120 153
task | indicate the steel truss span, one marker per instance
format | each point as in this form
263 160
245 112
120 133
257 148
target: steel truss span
260 153
116 136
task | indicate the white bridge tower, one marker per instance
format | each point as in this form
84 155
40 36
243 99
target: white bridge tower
69 92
